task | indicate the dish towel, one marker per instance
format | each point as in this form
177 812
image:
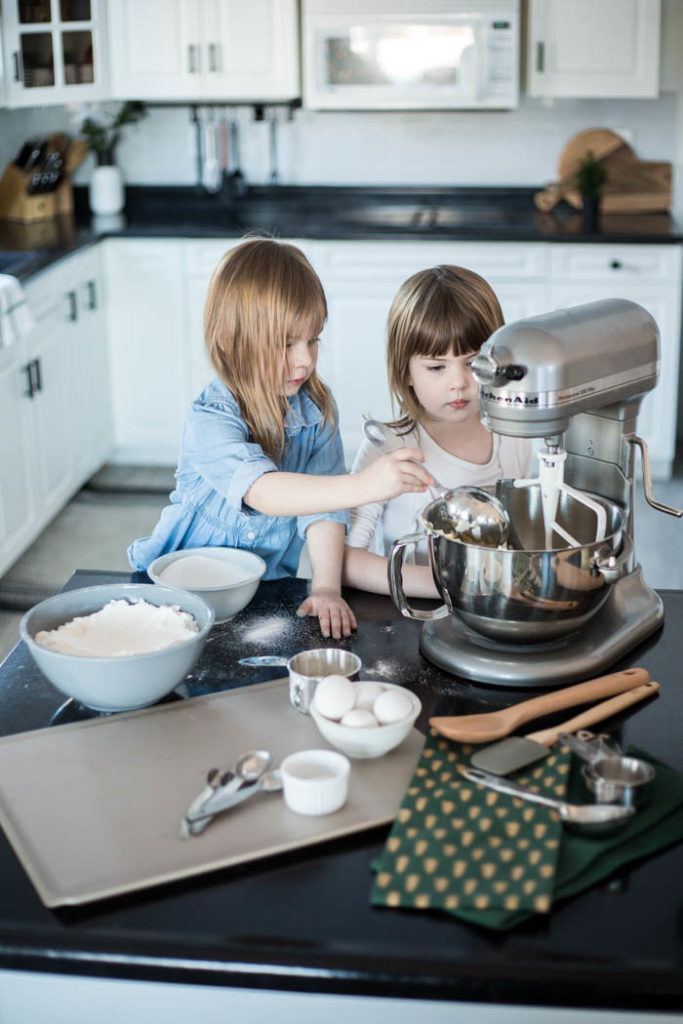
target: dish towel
495 860
16 320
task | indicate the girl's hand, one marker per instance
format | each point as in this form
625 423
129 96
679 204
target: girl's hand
393 474
334 615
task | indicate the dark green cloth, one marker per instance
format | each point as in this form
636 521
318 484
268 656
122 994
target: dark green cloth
581 861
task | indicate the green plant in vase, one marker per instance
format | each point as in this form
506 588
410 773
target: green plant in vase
591 178
103 132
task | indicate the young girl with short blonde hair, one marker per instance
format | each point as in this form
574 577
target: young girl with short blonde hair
261 464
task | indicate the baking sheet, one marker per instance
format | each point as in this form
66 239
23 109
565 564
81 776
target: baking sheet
93 809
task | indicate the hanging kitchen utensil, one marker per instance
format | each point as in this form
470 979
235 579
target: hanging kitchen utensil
236 180
494 725
515 752
211 169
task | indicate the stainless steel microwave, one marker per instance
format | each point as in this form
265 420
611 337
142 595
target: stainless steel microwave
411 54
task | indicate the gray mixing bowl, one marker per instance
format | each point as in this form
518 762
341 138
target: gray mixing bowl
226 600
109 683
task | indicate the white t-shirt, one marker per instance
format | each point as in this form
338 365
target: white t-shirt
376 526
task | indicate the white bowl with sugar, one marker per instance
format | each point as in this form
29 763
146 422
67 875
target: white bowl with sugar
226 578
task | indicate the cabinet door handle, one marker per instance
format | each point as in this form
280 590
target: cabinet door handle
540 57
18 67
73 307
193 59
38 377
28 370
214 57
92 295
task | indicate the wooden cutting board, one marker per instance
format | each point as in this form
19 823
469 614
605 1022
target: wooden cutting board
93 809
633 186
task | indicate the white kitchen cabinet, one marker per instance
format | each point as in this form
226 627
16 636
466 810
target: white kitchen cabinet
147 339
54 403
55 51
596 48
17 491
199 262
651 276
221 50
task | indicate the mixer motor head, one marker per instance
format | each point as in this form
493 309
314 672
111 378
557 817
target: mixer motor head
535 374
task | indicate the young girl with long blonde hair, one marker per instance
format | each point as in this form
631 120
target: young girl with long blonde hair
261 464
438 321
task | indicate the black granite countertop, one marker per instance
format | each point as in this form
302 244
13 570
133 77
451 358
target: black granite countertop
303 921
363 214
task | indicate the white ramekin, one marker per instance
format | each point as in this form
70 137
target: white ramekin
315 781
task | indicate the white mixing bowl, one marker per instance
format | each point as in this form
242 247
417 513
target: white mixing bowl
226 600
115 683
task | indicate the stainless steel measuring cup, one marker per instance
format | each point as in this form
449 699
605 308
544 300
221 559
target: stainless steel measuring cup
307 668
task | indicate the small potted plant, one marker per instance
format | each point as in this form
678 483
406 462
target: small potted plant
590 180
103 134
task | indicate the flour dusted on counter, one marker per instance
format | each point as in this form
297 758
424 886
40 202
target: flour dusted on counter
196 572
121 629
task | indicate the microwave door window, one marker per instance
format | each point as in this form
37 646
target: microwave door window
399 60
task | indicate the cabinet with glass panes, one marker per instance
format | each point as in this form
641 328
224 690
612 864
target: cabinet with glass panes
54 51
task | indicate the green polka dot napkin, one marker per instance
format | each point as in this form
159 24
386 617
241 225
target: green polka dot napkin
495 860
458 847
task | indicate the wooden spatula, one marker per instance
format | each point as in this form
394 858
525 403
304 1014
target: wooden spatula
494 725
515 752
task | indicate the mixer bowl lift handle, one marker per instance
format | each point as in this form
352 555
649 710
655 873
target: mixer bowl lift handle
396 582
638 442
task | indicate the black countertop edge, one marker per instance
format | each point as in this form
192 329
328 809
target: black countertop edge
595 988
338 213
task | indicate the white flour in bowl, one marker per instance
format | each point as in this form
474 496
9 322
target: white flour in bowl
197 572
121 629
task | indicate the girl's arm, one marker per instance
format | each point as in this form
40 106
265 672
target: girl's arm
366 571
325 549
300 494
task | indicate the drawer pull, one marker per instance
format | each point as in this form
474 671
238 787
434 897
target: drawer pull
616 264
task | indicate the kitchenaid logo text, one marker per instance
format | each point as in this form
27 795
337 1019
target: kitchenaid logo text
495 396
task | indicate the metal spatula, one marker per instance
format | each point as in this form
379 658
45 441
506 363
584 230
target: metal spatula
517 752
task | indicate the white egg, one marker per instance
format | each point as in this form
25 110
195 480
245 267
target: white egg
367 693
359 718
392 706
334 696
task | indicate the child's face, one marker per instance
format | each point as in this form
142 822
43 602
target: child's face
300 359
445 386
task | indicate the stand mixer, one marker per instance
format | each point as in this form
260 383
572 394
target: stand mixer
570 599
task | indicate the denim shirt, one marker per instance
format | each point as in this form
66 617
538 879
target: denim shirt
218 463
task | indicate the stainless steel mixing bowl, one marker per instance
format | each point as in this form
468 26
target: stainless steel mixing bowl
532 595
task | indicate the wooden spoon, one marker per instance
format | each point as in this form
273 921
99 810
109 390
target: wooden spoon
494 725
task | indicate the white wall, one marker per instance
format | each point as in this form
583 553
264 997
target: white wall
519 147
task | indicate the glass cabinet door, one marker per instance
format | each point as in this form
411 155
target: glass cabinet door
32 11
53 50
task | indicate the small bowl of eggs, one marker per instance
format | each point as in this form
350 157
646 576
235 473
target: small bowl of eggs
363 718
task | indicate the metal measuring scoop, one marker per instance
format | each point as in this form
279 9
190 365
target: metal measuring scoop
589 819
475 516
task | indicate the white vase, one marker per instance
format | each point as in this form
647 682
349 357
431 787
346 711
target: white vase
105 192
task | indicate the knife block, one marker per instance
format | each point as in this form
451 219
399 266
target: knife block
17 204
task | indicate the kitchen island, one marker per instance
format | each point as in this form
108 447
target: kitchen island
302 923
